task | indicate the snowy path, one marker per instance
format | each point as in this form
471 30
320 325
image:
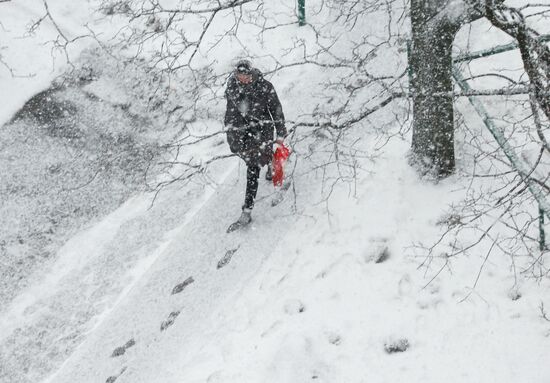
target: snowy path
96 268
193 251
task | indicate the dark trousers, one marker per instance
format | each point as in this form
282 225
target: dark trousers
252 175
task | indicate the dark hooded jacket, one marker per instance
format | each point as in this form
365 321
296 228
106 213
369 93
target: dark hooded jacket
253 112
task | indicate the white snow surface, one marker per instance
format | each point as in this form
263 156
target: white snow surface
304 296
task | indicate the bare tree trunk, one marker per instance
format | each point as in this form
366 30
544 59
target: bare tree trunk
432 86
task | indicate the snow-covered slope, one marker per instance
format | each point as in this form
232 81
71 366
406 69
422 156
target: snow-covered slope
316 295
332 285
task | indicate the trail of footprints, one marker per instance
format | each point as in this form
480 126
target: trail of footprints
170 320
291 307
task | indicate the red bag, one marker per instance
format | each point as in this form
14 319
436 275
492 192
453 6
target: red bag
279 158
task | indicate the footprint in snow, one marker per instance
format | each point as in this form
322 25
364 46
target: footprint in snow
377 250
514 294
393 345
112 379
227 257
170 321
122 349
294 306
181 286
334 339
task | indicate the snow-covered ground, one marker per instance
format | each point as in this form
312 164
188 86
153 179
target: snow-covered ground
323 287
308 297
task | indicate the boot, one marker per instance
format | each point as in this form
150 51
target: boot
246 217
244 220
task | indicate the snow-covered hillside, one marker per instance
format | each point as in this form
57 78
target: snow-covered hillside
334 284
311 296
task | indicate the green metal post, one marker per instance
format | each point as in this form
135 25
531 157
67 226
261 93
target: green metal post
542 235
495 50
301 12
522 168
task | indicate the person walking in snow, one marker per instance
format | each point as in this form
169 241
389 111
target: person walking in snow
254 113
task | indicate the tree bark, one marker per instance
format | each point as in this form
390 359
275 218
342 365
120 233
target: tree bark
432 86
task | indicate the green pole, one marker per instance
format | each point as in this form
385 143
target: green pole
542 235
495 50
301 12
518 165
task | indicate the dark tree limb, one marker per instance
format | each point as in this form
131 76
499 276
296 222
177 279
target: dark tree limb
534 53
